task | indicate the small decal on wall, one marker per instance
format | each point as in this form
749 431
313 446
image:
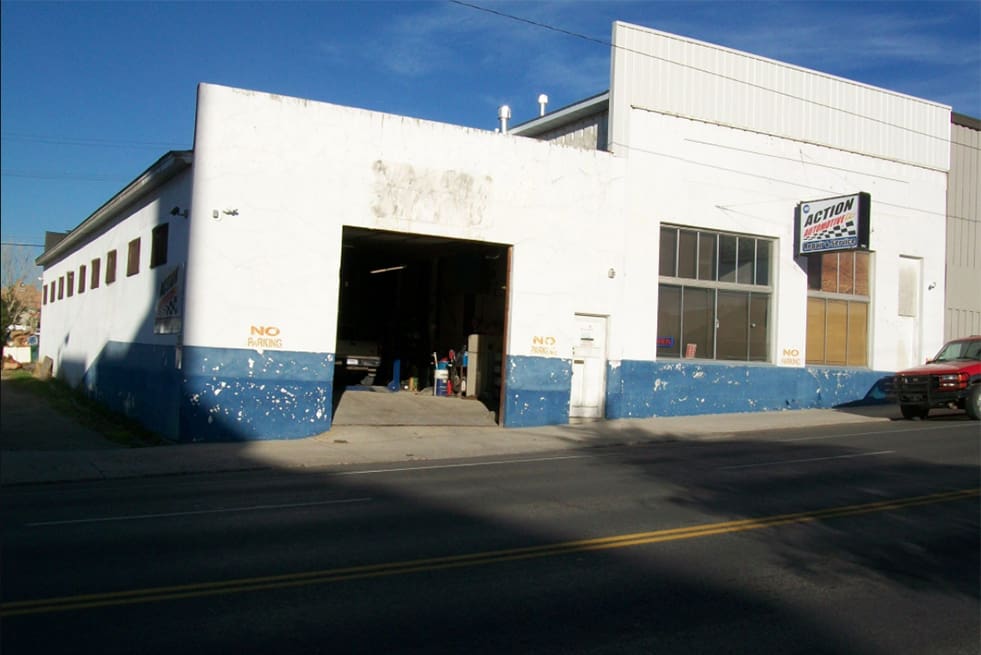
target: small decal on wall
791 357
543 346
264 336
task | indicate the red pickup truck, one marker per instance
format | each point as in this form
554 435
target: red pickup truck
951 379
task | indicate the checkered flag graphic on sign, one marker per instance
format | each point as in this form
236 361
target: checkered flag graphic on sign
169 308
847 229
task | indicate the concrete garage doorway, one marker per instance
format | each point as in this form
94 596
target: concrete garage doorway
403 297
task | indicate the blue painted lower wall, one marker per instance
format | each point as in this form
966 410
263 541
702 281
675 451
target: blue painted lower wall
639 389
536 391
140 381
218 394
229 394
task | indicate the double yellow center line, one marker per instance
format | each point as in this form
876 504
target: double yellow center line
242 585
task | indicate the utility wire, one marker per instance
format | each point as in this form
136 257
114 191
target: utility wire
761 87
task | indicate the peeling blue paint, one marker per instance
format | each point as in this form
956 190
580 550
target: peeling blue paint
536 391
639 389
231 394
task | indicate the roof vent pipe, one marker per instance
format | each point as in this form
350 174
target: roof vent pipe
504 114
542 101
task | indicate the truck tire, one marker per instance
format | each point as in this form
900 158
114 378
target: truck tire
973 402
914 411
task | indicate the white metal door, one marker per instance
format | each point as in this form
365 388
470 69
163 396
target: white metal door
588 367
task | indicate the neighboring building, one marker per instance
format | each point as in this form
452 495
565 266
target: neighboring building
636 257
963 315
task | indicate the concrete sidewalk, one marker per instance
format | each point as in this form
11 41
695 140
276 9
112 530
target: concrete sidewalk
362 444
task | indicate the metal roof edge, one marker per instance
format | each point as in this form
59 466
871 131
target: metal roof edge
965 121
562 115
152 178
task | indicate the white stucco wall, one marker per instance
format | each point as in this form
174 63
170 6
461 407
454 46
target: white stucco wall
701 175
75 330
295 171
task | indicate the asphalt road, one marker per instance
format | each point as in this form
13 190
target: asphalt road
856 539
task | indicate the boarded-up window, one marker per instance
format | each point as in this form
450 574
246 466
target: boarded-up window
133 258
838 309
96 263
110 267
909 286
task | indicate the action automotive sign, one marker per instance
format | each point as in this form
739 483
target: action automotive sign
840 223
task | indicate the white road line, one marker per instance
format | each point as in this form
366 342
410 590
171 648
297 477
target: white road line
809 459
436 467
253 508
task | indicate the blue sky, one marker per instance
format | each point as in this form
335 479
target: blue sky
93 93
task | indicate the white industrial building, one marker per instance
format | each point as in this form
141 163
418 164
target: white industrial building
633 255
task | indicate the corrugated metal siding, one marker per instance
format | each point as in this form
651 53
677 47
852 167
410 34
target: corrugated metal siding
666 73
963 234
588 133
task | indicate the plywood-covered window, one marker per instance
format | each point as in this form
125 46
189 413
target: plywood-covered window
110 267
838 308
96 273
133 258
714 295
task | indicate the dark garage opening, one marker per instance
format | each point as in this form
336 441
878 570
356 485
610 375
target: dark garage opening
403 297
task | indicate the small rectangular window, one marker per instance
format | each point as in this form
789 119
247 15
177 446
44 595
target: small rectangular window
158 245
52 293
687 253
727 258
706 256
81 278
133 258
762 262
70 283
44 300
95 273
746 260
61 287
110 267
669 251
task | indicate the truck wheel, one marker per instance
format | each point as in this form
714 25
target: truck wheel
973 403
913 411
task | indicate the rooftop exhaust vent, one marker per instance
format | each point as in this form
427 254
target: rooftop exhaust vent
542 102
504 114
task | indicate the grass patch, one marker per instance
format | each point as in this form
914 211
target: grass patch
77 407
